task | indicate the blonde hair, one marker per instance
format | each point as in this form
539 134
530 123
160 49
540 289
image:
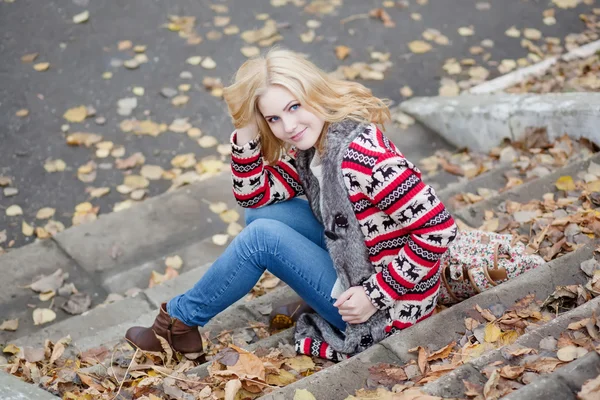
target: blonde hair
330 98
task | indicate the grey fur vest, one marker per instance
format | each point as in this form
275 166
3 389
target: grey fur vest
344 238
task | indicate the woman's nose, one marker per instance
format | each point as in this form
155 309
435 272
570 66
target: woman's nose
289 124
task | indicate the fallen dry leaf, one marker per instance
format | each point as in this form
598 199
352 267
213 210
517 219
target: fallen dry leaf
43 316
41 67
9 325
14 210
76 114
174 262
81 17
590 390
419 46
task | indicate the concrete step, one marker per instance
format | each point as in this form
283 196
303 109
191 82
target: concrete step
108 323
564 383
156 227
451 385
21 267
12 388
194 255
116 252
495 181
474 215
339 380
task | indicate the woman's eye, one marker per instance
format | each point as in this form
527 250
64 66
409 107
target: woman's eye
294 107
273 119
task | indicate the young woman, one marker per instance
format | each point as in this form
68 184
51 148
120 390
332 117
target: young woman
363 251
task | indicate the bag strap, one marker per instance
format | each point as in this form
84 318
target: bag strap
447 285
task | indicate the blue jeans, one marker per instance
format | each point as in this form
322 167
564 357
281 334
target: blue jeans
284 238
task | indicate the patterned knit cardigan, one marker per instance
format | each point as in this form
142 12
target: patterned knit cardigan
388 237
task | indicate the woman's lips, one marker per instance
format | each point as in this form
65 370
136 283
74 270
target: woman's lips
298 136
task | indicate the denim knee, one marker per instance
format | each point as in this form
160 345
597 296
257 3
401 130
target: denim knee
260 232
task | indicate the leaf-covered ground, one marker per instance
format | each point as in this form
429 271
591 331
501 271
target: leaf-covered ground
557 224
107 106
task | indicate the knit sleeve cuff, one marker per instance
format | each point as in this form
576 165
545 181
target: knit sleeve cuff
379 298
250 149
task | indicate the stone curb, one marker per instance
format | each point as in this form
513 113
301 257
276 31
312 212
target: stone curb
473 215
522 74
493 179
285 337
89 323
12 388
21 267
569 380
438 330
195 255
451 384
481 122
149 230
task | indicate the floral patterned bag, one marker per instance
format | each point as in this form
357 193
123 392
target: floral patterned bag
477 261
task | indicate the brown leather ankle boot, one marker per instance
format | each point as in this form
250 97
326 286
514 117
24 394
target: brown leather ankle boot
182 338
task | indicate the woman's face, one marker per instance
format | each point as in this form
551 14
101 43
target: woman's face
289 120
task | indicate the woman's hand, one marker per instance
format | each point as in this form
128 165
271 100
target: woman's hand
246 133
354 305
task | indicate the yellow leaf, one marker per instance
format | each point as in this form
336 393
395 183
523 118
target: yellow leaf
300 363
281 378
99 192
194 132
43 315
45 296
508 338
84 207
210 166
566 3
83 138
152 172
27 58
207 141
419 46
40 67
230 216
174 262
492 333
303 394
208 63
250 51
11 349
234 229
81 17
10 325
14 210
138 91
26 229
406 91
218 207
593 186
466 31
41 233
45 213
341 52
136 182
194 60
232 387
75 114
184 160
22 113
565 183
231 30
220 239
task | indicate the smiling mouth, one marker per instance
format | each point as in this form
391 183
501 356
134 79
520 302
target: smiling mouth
296 136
